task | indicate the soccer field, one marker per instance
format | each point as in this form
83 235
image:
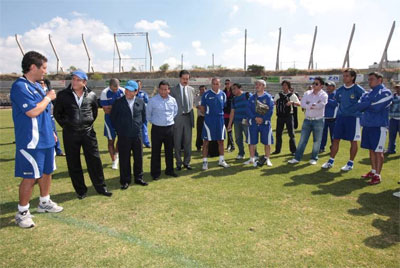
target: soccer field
280 216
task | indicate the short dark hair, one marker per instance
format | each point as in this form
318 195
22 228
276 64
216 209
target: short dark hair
287 83
202 86
352 73
32 57
183 72
114 82
376 74
320 79
238 85
163 83
139 81
227 80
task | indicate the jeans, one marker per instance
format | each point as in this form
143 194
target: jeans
240 131
394 128
328 126
316 127
145 134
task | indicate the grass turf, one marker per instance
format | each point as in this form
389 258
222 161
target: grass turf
285 215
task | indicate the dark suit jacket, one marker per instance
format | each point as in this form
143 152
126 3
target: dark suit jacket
125 123
176 93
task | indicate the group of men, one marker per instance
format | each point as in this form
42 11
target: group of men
127 110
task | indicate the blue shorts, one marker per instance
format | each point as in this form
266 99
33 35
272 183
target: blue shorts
213 128
33 163
109 130
265 131
374 138
347 128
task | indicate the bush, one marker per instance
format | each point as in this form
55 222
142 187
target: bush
96 76
254 68
164 67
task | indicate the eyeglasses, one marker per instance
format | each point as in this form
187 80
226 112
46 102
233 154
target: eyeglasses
316 84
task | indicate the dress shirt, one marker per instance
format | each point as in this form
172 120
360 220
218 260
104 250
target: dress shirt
130 103
161 112
197 102
78 99
319 101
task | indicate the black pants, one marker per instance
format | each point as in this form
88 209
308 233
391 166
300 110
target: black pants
280 125
230 136
127 145
73 141
160 135
199 128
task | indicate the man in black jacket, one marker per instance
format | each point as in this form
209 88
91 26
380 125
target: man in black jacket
127 116
76 111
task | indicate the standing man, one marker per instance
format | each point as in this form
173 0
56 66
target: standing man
331 109
127 116
184 121
212 105
143 95
347 126
227 111
375 121
238 117
313 102
75 111
394 122
34 137
161 111
200 117
259 111
107 98
284 102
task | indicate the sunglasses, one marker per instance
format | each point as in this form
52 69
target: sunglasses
316 84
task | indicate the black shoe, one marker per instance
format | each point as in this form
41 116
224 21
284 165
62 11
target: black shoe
179 168
82 196
61 154
147 146
156 178
125 186
106 193
276 152
321 151
261 161
172 174
188 167
141 182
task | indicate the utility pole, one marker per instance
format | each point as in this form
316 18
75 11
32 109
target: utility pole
277 53
311 62
182 61
213 66
245 48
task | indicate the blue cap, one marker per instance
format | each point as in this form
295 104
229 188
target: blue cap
131 85
81 74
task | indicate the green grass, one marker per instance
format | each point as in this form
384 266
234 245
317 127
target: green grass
238 217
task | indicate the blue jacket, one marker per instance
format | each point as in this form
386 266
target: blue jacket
251 108
375 107
347 99
394 111
331 107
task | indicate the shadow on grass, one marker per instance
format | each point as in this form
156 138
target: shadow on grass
342 187
319 177
7 159
384 204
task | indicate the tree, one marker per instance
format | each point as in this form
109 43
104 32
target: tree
164 67
72 68
133 69
254 68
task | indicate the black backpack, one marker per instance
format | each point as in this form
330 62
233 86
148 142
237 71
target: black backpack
281 109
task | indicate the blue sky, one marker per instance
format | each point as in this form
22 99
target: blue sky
197 29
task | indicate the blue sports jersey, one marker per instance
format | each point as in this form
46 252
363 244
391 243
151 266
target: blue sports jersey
266 98
143 95
375 107
348 97
108 97
30 133
239 103
331 107
213 102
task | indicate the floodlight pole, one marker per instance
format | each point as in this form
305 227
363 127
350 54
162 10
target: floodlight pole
384 58
87 53
213 66
245 48
151 57
277 53
119 54
19 45
181 61
347 56
311 62
55 53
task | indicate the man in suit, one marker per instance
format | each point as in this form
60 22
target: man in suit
127 116
184 120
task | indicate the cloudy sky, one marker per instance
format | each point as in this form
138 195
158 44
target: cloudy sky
196 30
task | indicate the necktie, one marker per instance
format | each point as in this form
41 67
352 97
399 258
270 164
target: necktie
185 102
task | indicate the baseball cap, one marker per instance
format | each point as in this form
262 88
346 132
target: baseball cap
330 83
261 81
81 74
131 85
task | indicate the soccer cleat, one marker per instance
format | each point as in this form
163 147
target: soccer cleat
239 157
376 179
24 219
293 161
313 162
205 165
368 175
328 164
347 167
223 164
49 206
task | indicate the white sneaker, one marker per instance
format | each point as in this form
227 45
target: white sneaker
24 219
239 157
293 161
115 164
223 164
327 165
248 162
396 194
256 158
255 164
347 168
49 206
313 162
205 165
269 162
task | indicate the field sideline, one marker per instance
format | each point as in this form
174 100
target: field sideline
280 216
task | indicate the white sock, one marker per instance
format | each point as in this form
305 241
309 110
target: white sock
252 159
350 162
373 171
23 208
44 199
332 159
221 158
205 159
